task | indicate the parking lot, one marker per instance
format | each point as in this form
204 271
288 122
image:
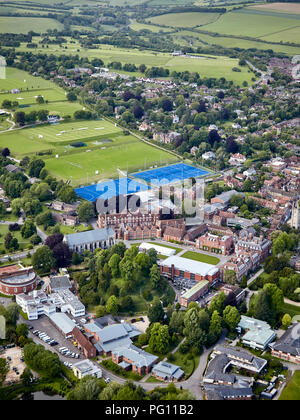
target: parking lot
15 354
43 324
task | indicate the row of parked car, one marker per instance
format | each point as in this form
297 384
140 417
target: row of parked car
69 365
44 337
66 352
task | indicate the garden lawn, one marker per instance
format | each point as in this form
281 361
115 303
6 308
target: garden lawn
22 242
292 310
292 389
188 366
196 256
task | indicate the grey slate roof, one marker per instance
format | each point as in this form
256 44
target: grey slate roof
289 342
168 370
216 370
60 282
90 236
113 336
138 356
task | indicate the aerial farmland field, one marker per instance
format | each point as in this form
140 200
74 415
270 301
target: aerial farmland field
185 20
240 23
206 65
18 25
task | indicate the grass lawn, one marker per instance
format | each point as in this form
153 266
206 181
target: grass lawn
68 230
292 310
196 256
22 242
188 366
151 379
292 389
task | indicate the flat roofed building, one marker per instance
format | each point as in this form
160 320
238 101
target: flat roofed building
160 249
194 293
63 323
35 304
86 367
258 333
189 269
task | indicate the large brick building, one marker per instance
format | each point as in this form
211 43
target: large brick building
179 267
134 359
15 280
213 243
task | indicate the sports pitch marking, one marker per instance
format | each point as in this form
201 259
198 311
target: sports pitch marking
110 188
171 173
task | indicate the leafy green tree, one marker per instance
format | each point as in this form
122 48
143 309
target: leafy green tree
130 392
110 391
286 321
231 317
86 211
215 327
261 307
67 194
43 260
156 312
26 377
176 322
4 369
88 389
159 338
114 265
217 303
155 276
35 167
230 277
112 305
22 330
28 229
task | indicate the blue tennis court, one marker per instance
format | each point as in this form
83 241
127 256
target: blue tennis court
110 188
168 174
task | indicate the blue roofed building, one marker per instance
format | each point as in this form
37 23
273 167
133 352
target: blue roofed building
258 334
167 372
